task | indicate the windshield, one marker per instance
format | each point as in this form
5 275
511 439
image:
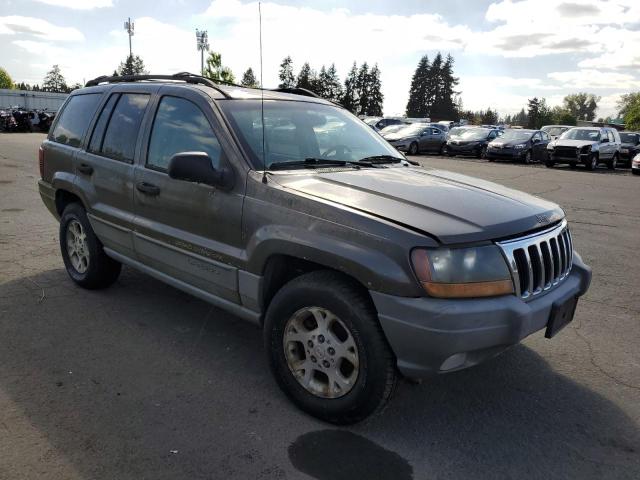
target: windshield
632 138
295 131
475 134
516 135
458 131
581 134
392 129
555 131
412 129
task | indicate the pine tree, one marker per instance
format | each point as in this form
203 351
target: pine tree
287 80
333 85
249 79
54 81
375 93
350 98
362 89
433 90
447 108
533 113
216 71
417 92
306 77
322 85
133 65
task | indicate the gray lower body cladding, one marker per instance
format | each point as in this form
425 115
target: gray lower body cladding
431 336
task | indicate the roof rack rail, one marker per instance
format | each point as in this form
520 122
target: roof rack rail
182 76
297 91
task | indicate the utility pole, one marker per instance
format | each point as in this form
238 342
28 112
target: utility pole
128 26
202 40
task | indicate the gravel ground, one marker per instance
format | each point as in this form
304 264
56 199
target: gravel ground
141 381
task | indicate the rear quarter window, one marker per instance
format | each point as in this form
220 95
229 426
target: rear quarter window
75 119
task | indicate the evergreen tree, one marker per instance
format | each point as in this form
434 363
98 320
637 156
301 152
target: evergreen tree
521 118
362 89
375 93
306 78
444 106
54 81
350 99
287 80
249 79
216 71
488 117
533 113
433 90
133 65
322 85
416 106
333 86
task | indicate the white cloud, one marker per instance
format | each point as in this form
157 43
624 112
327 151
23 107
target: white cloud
594 79
79 4
36 27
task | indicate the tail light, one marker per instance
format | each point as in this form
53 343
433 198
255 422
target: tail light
41 161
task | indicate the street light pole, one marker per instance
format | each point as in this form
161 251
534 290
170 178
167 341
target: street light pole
128 26
202 39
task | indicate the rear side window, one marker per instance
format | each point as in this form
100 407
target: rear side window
75 118
98 132
180 126
121 134
612 139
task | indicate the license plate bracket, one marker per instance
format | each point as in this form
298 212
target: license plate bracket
561 315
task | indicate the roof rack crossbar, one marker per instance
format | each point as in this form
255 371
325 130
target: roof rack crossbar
182 76
297 91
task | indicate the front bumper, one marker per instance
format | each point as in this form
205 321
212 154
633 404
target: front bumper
464 149
506 153
431 336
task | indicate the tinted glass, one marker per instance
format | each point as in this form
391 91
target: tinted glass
75 118
180 126
98 131
632 138
121 135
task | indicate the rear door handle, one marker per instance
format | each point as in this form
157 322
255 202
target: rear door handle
86 169
148 188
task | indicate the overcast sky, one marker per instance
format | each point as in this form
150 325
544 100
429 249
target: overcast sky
505 51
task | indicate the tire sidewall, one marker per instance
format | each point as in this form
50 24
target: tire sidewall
413 148
76 212
283 306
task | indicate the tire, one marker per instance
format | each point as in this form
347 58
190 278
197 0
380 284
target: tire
613 163
550 164
592 163
527 158
375 377
482 153
572 165
443 149
413 149
99 270
635 171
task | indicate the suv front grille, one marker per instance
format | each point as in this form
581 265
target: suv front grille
540 261
566 152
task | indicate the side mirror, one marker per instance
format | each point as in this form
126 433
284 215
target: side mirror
196 167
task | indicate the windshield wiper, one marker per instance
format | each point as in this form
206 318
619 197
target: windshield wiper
377 159
308 163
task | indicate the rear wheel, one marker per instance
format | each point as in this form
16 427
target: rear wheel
613 163
82 252
413 148
327 350
550 163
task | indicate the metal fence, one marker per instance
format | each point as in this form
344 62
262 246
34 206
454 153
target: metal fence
30 100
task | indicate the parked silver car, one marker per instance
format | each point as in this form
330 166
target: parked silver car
418 137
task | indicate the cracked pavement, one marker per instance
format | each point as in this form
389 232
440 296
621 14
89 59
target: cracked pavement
143 381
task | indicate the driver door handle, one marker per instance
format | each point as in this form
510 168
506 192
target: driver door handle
148 188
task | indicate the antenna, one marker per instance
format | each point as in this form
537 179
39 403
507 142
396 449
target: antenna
264 153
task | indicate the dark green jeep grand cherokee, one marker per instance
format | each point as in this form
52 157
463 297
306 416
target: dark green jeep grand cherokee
295 215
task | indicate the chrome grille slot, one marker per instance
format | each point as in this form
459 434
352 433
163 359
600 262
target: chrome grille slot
540 261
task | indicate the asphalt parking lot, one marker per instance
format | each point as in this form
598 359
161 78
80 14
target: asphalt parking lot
142 381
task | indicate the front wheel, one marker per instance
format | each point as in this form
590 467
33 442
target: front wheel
527 158
592 162
482 153
549 163
82 251
413 149
327 350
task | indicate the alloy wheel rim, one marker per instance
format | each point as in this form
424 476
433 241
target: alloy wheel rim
321 352
77 246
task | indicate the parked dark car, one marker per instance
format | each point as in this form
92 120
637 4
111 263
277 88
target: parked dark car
526 146
287 211
629 146
587 145
417 138
554 131
471 142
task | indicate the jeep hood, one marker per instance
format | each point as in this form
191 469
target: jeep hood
453 208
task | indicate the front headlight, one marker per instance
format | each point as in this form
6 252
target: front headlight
462 272
520 146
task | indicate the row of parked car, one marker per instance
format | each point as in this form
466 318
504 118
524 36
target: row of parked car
551 145
17 119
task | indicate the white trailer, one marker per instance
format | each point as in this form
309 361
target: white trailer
30 100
